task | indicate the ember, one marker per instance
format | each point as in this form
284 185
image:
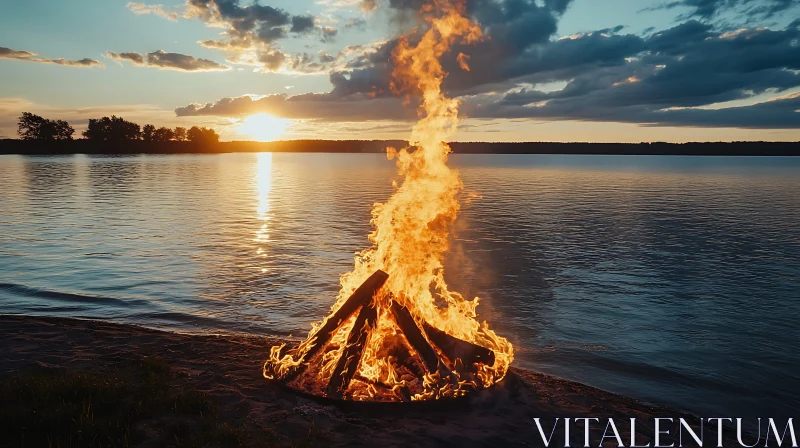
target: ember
397 333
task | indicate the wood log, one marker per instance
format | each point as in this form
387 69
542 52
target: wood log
362 295
455 348
415 337
353 350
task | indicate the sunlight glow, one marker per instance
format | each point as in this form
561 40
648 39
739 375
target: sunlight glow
263 181
263 127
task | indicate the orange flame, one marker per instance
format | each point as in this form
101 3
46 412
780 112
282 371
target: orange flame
411 229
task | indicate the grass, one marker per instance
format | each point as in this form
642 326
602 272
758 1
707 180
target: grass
138 401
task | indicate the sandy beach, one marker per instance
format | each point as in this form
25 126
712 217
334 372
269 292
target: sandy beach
227 369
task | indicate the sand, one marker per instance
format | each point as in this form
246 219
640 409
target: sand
228 368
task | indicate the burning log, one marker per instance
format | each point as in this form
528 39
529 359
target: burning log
450 361
455 348
414 336
354 349
360 296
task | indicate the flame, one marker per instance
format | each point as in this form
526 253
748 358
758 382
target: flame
411 236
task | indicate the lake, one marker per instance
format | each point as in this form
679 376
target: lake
675 280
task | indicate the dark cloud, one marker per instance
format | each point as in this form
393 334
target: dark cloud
772 8
775 114
514 29
308 106
679 70
21 55
165 60
657 81
253 24
302 24
679 76
250 28
270 35
708 9
179 61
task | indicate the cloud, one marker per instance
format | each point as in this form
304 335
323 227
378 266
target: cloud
327 34
682 76
355 22
252 31
515 29
8 53
250 25
751 9
85 62
273 60
177 61
691 74
172 61
158 10
315 106
133 57
21 55
302 24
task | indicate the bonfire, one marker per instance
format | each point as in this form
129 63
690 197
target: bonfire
396 331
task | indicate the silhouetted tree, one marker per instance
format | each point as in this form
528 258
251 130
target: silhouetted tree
202 135
34 127
112 129
148 132
163 135
180 134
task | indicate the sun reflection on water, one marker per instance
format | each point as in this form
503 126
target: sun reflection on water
263 186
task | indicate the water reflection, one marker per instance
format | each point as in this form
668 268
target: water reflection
263 186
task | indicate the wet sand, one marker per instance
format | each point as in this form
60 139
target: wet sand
228 369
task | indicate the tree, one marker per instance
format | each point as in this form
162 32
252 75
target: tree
202 135
180 134
112 129
148 132
163 135
63 131
34 127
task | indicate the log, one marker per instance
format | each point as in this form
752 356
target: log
360 296
415 337
455 348
353 350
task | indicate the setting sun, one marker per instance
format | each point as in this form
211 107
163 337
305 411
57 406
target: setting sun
263 127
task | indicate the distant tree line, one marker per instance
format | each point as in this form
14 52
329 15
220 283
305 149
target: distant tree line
109 129
34 127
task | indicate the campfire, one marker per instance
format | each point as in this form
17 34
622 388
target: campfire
396 331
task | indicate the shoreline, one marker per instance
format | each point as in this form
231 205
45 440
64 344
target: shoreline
131 147
228 369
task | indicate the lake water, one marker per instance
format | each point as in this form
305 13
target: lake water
674 280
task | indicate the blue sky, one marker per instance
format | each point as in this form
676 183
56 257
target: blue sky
160 90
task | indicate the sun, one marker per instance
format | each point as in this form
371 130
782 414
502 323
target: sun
263 127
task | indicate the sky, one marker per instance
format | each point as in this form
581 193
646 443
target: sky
549 70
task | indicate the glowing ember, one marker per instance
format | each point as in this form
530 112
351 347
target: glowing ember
397 333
